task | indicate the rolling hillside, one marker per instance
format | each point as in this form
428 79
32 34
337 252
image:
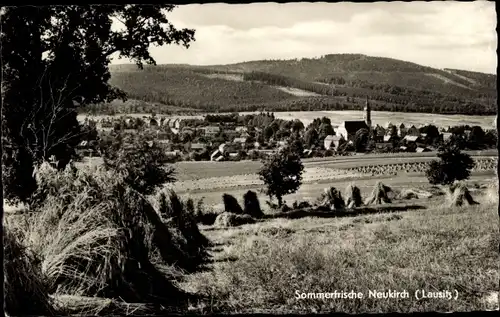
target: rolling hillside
332 82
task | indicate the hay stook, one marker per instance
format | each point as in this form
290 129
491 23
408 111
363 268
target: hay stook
379 195
353 194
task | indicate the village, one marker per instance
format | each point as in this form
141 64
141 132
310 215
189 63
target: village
233 137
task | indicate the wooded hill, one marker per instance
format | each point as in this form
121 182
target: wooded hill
332 82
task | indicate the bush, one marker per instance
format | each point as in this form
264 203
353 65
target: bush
282 174
141 163
452 166
96 235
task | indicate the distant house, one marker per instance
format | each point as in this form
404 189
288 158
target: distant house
388 138
256 145
423 135
282 144
244 135
211 130
388 125
198 146
162 136
446 136
332 141
403 148
383 146
174 123
348 129
222 147
83 145
412 131
241 129
467 133
231 134
216 156
267 152
240 140
411 138
422 149
173 153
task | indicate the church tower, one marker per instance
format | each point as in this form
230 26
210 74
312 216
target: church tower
368 114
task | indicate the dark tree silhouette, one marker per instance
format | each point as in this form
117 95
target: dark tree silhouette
55 59
311 138
282 174
452 166
361 139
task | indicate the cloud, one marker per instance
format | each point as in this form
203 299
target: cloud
438 34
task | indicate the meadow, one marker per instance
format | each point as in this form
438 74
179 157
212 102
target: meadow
405 245
259 267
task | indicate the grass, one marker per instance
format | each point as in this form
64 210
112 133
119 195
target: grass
259 267
199 170
95 237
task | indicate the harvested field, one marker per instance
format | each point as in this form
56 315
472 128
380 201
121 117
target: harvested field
312 174
260 267
482 164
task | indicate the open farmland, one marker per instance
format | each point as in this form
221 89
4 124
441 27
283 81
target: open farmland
311 191
337 117
201 170
382 117
259 267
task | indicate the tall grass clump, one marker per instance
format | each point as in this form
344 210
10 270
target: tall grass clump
25 290
95 234
188 242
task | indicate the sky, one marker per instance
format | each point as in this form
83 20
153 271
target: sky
440 34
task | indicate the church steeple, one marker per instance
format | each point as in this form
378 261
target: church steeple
368 114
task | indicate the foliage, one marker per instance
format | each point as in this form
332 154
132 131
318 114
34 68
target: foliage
452 166
361 139
311 138
24 281
251 86
282 174
56 59
142 163
95 236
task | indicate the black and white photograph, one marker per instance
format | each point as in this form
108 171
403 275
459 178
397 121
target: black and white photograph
248 158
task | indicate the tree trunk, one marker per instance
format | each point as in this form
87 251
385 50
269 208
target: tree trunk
280 200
